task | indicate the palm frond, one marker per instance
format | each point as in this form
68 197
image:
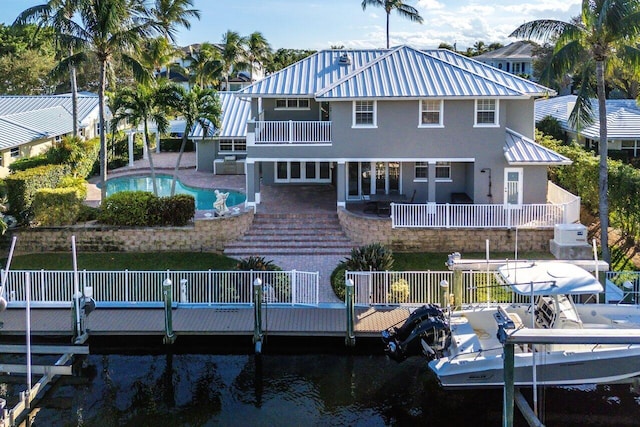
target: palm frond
542 29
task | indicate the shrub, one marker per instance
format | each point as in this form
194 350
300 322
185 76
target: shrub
29 162
56 206
88 213
374 257
132 208
173 144
177 210
275 287
77 183
399 291
22 186
337 280
141 208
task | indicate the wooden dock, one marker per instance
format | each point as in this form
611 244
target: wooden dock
277 321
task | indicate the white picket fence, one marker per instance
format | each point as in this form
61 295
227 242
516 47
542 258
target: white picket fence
144 288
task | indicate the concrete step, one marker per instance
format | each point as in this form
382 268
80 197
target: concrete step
243 253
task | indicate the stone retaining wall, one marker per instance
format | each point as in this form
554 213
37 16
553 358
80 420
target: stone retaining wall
207 235
365 230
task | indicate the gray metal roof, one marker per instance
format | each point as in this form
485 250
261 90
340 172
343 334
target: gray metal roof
235 115
401 72
520 50
236 112
520 150
27 118
623 116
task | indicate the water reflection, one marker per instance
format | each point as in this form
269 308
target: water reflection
202 390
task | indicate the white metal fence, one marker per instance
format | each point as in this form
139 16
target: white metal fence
447 215
424 287
292 132
144 288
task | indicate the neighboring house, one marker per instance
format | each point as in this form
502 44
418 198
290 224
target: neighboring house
434 126
623 122
31 124
515 58
239 80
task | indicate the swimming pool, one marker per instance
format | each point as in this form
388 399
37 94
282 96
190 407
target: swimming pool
204 197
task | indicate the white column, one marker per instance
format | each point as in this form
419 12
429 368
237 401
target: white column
130 141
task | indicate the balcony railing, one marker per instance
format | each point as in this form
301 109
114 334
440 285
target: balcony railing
291 132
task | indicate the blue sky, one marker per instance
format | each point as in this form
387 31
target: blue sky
318 24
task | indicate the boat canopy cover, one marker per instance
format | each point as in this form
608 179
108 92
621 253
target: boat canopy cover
548 278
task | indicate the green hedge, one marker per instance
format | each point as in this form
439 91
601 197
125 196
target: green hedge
173 145
141 208
29 162
57 206
22 186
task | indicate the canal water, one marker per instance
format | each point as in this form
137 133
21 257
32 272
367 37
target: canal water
188 389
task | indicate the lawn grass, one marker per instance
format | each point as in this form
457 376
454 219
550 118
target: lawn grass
111 261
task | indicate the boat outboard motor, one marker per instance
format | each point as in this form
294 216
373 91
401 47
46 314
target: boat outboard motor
425 333
418 315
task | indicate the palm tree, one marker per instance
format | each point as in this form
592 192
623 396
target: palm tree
404 10
169 14
604 30
197 106
258 51
58 15
139 106
110 29
205 68
233 54
157 53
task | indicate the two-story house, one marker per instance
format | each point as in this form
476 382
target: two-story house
434 126
515 58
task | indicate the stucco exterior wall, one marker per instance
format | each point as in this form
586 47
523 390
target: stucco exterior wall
26 150
363 231
206 235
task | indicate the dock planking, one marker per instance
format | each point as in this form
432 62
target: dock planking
280 321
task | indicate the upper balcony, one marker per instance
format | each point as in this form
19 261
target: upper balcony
289 132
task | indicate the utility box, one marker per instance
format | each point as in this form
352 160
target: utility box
570 234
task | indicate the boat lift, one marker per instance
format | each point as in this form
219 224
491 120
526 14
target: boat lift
82 305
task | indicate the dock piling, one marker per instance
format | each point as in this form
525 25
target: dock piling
167 293
257 315
350 340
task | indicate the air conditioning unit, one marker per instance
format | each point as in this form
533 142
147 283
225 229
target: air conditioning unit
570 234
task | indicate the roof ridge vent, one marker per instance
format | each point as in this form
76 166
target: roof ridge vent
344 59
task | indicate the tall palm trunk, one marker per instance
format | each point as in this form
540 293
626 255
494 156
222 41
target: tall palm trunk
388 15
151 168
603 181
103 134
187 129
74 96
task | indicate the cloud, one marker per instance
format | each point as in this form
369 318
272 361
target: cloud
430 4
547 6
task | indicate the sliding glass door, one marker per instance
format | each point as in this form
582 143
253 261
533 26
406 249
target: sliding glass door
366 178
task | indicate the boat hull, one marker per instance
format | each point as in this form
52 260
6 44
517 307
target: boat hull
552 368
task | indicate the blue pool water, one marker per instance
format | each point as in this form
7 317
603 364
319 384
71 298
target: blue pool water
204 197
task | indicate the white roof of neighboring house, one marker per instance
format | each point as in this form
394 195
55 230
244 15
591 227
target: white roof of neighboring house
520 150
520 50
623 116
400 72
27 118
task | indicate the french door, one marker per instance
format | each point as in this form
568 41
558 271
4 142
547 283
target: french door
366 178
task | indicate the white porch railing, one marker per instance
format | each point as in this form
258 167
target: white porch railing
144 288
423 287
559 196
292 132
404 215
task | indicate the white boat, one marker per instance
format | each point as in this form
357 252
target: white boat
464 349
